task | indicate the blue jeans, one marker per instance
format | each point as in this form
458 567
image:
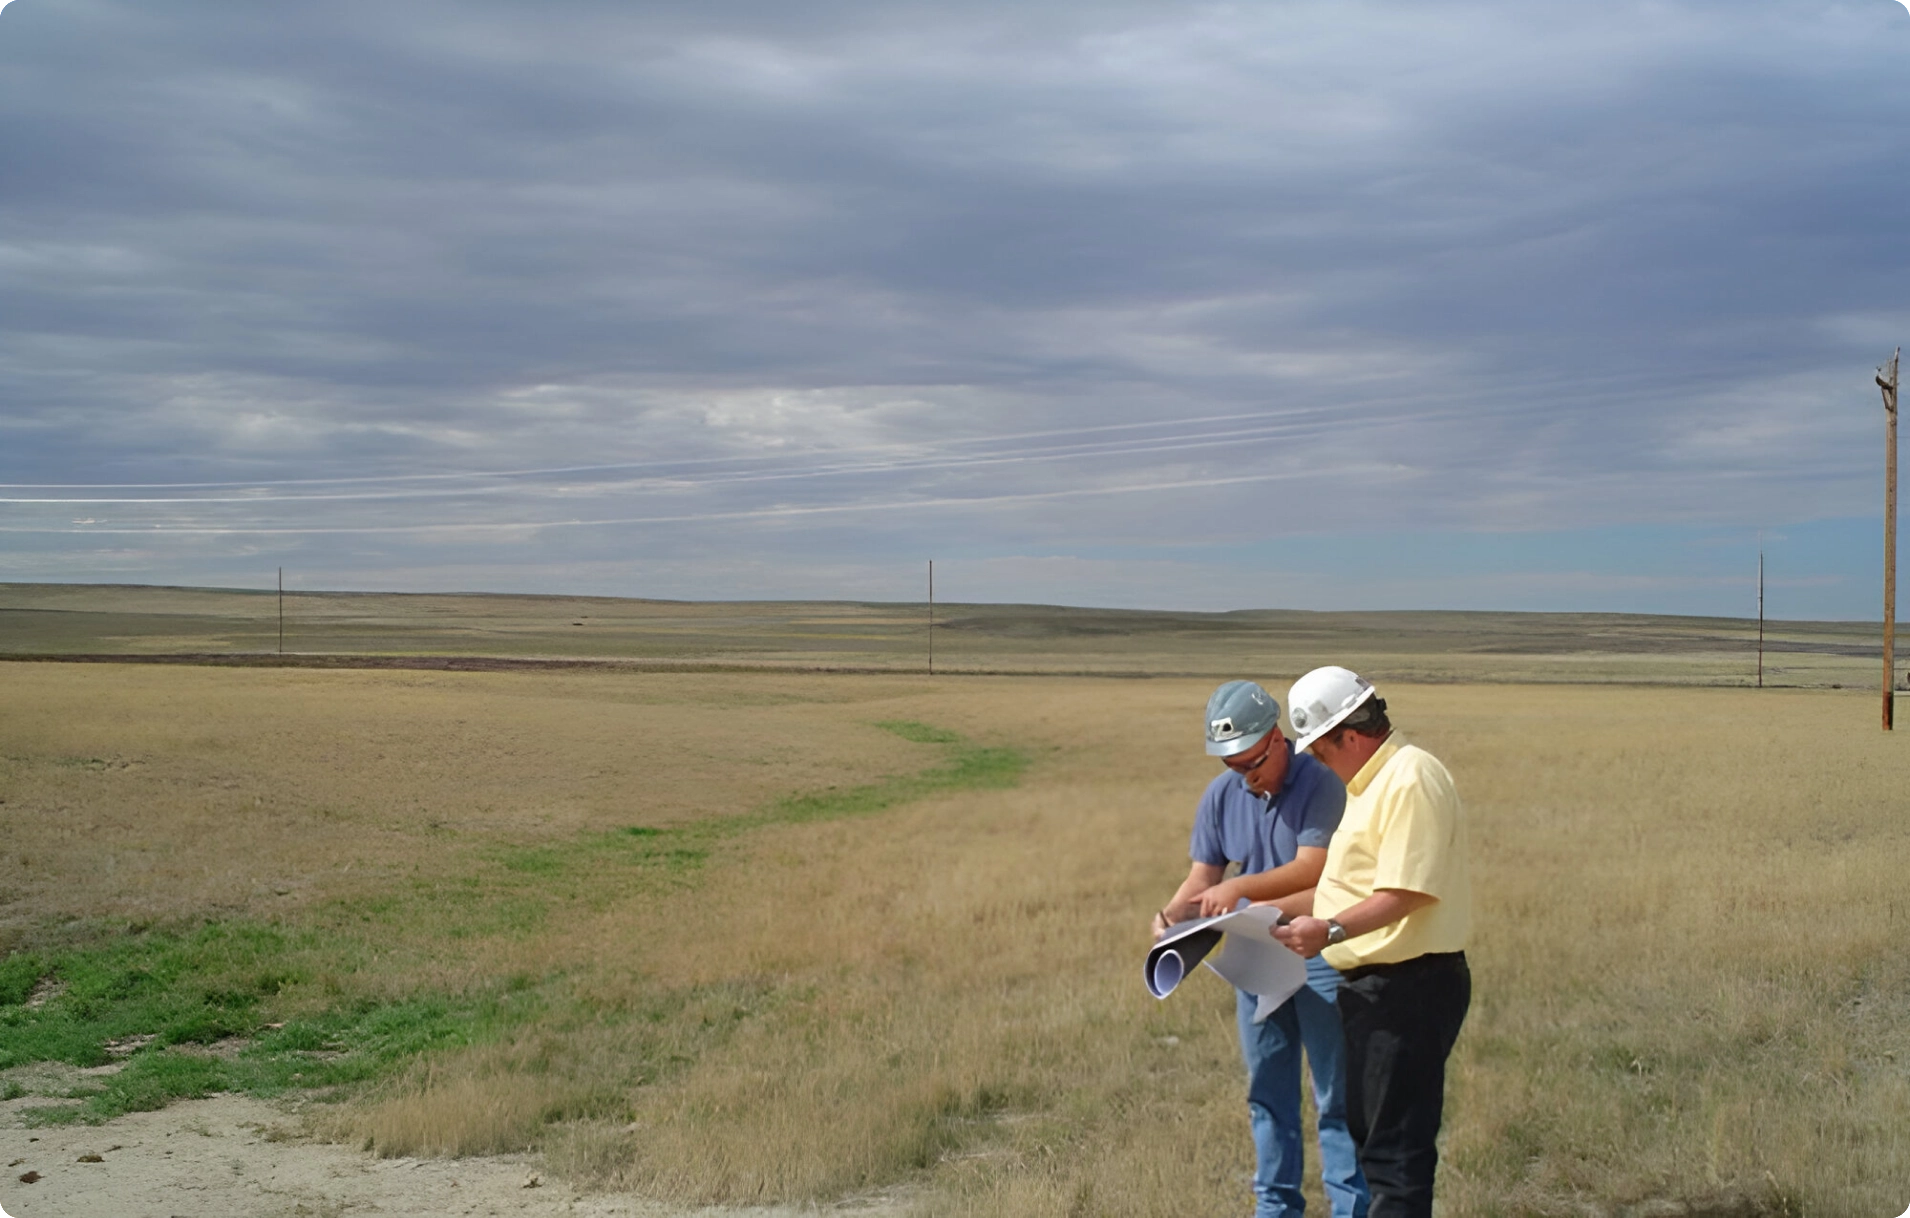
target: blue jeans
1272 1051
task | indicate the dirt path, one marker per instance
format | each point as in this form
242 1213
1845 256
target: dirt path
232 1157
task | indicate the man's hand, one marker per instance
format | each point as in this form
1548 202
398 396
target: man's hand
1172 914
1185 903
1220 899
1385 907
1304 935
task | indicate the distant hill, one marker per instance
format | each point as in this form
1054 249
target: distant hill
236 625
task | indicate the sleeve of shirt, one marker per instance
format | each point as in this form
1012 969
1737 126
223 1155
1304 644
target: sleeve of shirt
1207 846
1325 804
1420 825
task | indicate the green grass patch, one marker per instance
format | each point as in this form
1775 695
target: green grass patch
972 767
919 733
684 848
227 1007
192 988
19 974
263 1009
332 1048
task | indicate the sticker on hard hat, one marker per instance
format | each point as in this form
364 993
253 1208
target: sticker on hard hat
1222 729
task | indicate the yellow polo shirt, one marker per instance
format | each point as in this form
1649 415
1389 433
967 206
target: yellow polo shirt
1403 828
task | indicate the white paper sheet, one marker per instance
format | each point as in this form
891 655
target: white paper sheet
1249 957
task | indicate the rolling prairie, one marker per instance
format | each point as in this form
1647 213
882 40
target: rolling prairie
346 627
749 936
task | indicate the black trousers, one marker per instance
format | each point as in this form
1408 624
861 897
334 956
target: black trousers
1401 1021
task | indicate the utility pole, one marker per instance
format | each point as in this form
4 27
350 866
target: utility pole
281 610
1760 617
1889 387
931 617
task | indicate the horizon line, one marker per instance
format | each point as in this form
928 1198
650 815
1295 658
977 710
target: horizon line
773 600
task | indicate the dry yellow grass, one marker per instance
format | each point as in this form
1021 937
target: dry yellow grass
139 794
1690 978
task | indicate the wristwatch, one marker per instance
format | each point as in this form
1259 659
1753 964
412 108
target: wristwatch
1335 933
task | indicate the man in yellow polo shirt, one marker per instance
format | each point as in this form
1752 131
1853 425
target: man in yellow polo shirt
1391 912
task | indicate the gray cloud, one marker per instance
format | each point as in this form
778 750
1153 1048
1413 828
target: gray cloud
840 273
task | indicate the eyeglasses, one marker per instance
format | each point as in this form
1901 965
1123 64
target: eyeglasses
1241 765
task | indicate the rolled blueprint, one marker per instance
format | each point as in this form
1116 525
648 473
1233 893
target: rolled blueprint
1175 956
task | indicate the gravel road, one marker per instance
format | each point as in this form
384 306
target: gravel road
232 1157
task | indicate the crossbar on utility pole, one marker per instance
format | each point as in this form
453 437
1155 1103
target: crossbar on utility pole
1889 387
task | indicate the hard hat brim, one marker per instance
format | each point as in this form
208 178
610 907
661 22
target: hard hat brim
1239 744
1305 742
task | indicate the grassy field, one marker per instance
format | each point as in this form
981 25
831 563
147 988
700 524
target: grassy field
732 937
57 619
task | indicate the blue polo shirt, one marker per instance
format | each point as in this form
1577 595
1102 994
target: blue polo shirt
1260 833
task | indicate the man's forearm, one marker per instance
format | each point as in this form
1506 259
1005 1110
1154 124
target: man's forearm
1298 876
1185 893
1200 877
1295 904
1307 934
1383 908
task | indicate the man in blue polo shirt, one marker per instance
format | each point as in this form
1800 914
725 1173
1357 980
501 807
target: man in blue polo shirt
1272 813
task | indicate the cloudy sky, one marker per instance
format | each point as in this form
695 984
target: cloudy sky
1315 305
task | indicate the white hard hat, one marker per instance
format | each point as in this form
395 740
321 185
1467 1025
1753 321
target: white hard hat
1320 700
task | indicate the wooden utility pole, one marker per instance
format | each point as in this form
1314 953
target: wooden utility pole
281 610
1760 617
931 617
1887 381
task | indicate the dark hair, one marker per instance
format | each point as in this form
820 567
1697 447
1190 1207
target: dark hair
1368 720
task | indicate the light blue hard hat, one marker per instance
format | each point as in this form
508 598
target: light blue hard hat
1239 716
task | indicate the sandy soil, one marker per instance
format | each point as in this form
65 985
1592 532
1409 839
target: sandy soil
232 1157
